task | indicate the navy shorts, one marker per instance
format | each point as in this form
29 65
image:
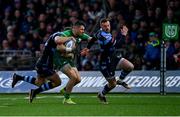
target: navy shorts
44 70
108 66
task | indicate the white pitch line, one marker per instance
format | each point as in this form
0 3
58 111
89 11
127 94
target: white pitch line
111 96
3 106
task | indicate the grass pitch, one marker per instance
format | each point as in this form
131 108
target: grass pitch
88 105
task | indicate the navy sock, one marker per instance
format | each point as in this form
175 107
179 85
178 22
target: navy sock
124 73
44 87
29 79
106 89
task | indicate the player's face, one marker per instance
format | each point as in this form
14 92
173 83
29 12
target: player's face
78 30
106 26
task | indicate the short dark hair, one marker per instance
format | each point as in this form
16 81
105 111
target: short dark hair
79 23
104 20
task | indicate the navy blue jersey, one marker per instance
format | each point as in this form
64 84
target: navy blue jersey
44 65
106 42
108 59
50 43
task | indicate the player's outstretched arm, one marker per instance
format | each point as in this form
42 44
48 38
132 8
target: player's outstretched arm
85 51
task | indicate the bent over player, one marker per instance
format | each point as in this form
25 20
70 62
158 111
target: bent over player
44 68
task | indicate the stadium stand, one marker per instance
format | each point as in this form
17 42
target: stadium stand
26 24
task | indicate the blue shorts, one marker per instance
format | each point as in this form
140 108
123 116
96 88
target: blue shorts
44 70
108 66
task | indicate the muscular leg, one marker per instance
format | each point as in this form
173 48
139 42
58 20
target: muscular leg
74 78
30 79
107 88
126 67
54 82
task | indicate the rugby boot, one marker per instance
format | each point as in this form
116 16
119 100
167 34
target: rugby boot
15 79
102 98
125 85
32 95
68 101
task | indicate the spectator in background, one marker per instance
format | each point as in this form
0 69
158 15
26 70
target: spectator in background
20 44
29 23
96 12
152 52
47 16
170 18
172 55
177 54
5 45
11 40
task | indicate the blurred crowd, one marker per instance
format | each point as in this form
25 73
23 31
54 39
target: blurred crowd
26 24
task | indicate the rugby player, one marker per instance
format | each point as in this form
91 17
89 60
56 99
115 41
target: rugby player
64 58
110 59
46 78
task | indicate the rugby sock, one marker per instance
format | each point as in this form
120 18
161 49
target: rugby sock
124 73
29 79
67 95
44 87
106 89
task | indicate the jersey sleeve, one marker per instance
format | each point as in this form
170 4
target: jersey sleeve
85 37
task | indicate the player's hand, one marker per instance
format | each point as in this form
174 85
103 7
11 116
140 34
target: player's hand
72 38
84 51
124 30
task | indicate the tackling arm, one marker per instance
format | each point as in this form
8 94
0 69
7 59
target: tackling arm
90 43
61 40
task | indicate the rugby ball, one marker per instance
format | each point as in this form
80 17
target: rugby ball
70 44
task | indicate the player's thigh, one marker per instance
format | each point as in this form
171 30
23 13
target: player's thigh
70 71
107 71
40 80
78 78
55 78
125 64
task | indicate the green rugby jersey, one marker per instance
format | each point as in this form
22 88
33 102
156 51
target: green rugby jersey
58 59
69 33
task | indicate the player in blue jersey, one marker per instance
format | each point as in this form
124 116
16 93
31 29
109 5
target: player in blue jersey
47 78
109 59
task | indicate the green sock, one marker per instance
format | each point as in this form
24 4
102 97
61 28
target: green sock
67 95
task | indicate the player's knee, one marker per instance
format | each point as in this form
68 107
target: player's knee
78 80
112 84
130 67
39 82
57 83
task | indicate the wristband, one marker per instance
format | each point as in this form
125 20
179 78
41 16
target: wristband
68 49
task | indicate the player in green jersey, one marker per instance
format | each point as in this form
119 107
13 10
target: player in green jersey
64 57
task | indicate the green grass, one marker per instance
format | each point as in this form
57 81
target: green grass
88 105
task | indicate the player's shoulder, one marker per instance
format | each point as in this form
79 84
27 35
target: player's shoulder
64 33
85 36
67 33
101 34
